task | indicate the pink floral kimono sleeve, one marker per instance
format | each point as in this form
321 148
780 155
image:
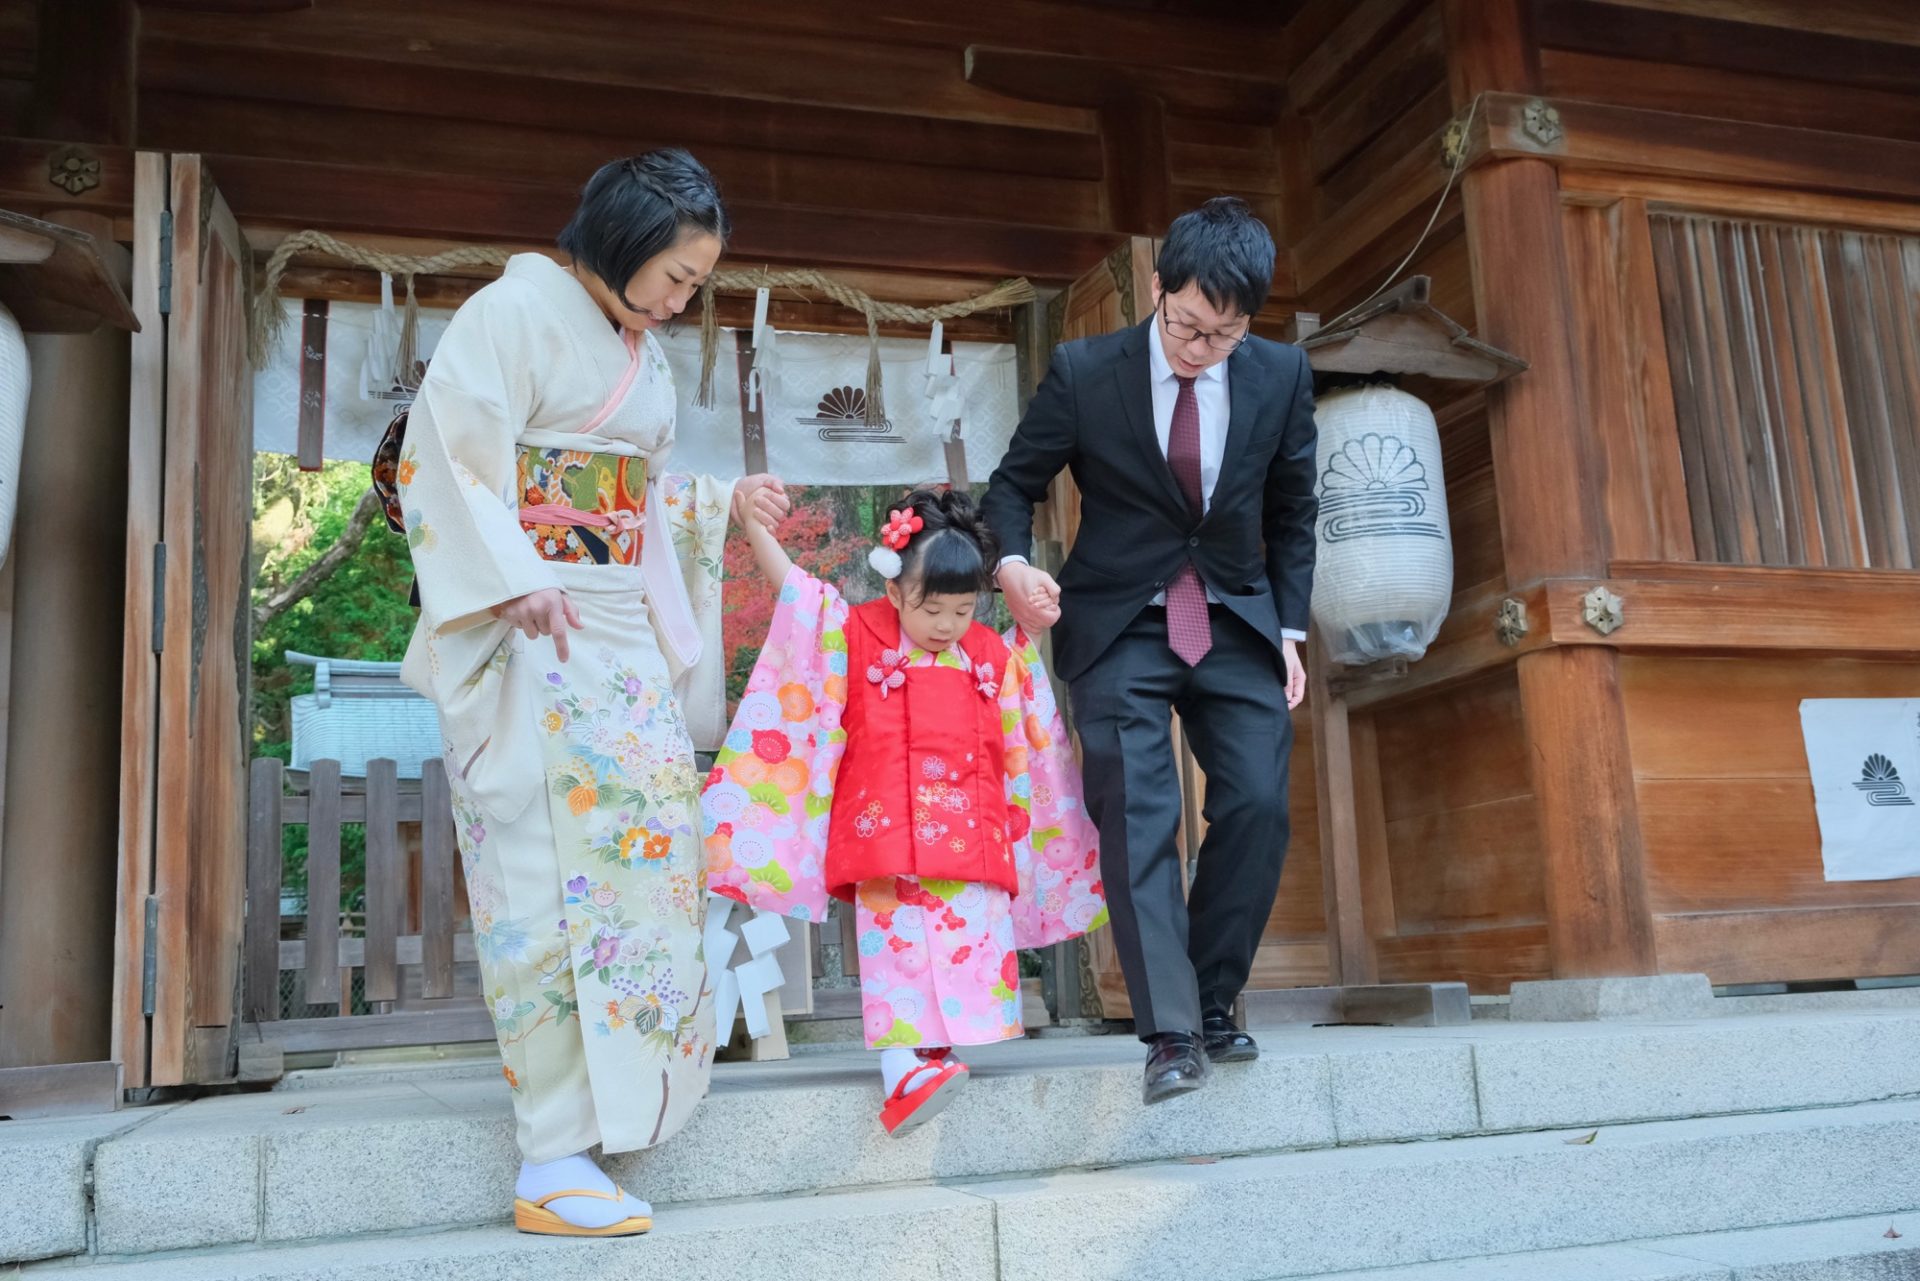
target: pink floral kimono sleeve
1056 848
765 807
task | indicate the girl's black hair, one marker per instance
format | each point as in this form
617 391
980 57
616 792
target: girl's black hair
954 554
634 210
1225 249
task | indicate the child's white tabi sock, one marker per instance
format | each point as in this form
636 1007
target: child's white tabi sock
896 1062
577 1173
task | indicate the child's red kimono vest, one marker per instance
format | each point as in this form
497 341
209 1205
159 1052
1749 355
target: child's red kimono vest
921 790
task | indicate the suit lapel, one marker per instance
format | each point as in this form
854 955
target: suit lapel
1246 391
1133 378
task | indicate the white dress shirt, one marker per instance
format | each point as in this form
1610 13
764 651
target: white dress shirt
1216 408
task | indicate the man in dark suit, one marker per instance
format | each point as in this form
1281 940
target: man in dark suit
1192 443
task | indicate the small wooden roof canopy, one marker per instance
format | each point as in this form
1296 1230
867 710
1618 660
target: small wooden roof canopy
1402 332
53 279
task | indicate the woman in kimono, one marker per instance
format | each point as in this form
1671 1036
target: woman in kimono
569 635
901 757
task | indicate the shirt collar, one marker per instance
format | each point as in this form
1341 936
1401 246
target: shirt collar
1163 368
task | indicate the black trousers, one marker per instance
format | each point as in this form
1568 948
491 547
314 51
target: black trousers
1185 956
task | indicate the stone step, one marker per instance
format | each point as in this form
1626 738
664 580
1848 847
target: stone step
1839 1250
935 1234
1804 1196
433 1151
1312 1213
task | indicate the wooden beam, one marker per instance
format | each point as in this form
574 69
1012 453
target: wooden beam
1397 196
1643 81
1368 25
1824 943
1695 41
1468 646
1739 608
25 186
1063 80
441 152
731 58
1487 961
357 201
84 77
1413 62
233 7
1133 142
603 117
1230 38
1661 143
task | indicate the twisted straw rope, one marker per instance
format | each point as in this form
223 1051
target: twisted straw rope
268 316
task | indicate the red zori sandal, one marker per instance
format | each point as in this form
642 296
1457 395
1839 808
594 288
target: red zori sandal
924 1092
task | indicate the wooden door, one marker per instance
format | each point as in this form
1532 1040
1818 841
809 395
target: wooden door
183 821
1117 293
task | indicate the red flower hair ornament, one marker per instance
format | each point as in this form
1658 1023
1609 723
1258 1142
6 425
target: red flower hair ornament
899 530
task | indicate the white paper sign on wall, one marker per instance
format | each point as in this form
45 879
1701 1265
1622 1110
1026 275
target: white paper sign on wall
1864 755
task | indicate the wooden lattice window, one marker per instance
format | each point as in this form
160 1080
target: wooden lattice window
1795 354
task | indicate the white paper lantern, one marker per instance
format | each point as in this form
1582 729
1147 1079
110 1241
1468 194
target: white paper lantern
15 380
1385 572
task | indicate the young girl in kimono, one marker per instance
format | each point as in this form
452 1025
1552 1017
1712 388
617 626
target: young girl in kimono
901 757
569 636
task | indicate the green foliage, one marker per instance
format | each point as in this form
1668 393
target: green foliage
359 611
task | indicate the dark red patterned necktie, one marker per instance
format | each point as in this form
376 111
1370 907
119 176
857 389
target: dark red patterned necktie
1189 631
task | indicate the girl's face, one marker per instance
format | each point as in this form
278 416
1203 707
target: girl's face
663 286
933 622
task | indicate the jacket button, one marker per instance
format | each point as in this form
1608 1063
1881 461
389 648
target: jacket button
1193 542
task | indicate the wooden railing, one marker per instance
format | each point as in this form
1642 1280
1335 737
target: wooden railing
410 944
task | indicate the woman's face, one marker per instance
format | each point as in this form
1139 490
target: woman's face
663 287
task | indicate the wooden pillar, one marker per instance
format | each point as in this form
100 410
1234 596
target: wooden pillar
83 84
1548 472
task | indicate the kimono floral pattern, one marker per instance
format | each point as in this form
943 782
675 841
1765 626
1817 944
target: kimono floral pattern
937 963
621 770
935 955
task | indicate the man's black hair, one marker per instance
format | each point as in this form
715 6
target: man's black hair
1224 249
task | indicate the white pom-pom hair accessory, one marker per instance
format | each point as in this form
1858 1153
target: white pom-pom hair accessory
885 562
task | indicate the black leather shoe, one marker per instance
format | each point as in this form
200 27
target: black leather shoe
1227 1043
1175 1065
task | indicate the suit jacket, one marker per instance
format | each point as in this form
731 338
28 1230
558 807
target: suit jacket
1093 415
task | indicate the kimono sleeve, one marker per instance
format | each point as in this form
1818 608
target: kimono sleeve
697 519
766 805
1056 847
457 476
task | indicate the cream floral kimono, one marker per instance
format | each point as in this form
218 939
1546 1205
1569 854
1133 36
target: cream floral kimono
534 458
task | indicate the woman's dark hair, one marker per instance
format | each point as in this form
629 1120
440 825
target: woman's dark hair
636 209
954 554
1223 248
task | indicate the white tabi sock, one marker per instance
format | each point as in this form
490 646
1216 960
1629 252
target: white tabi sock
895 1063
577 1172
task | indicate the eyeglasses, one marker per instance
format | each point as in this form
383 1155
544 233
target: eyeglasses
1182 332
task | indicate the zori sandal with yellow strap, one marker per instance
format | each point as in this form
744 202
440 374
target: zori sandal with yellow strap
534 1216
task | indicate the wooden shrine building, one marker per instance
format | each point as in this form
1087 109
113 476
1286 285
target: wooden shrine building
1697 222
